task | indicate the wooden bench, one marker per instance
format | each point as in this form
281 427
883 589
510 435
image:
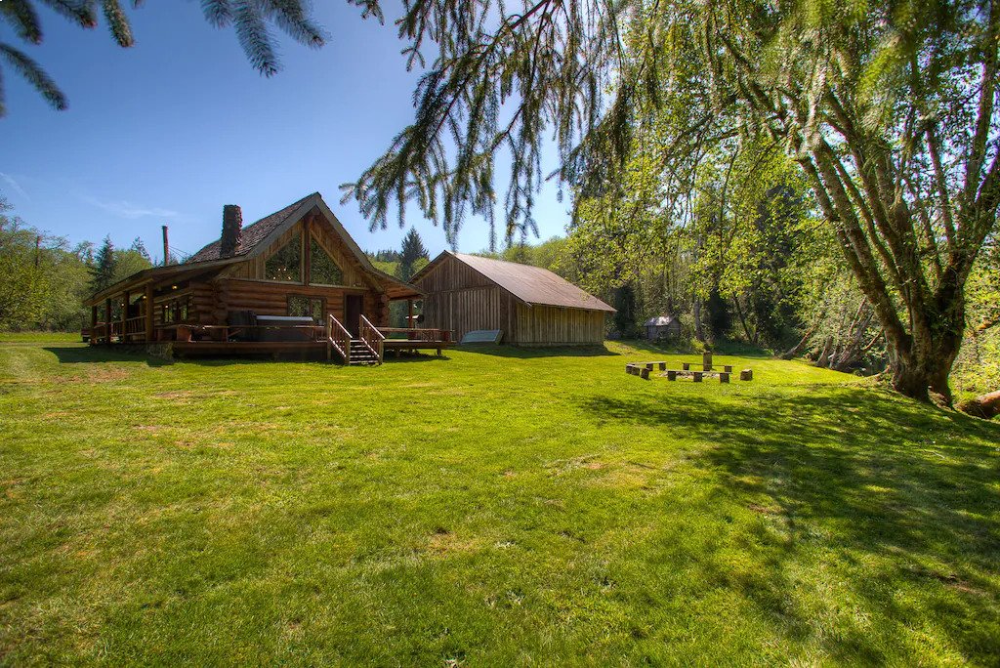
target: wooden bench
686 366
697 376
643 370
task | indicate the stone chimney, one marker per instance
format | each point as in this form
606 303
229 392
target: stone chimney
232 229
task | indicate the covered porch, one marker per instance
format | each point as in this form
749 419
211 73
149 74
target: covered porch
130 315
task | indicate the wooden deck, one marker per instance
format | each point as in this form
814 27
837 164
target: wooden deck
208 340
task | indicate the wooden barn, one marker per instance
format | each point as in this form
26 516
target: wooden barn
530 305
292 281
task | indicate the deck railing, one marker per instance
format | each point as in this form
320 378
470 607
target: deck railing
414 334
371 337
135 327
338 338
105 332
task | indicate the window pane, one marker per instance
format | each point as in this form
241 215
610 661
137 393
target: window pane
300 306
286 264
322 268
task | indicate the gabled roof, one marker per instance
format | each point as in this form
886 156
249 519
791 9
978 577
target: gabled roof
532 285
255 239
252 234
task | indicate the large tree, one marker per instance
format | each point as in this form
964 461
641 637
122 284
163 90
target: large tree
887 107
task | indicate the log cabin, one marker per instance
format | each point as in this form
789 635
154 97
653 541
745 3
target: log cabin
294 281
531 306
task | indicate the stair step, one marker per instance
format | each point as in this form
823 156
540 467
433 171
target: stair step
361 355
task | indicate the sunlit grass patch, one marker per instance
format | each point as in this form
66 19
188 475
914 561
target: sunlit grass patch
492 507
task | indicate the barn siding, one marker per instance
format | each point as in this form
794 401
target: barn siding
459 298
552 325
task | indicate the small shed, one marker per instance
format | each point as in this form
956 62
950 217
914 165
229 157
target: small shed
662 327
532 306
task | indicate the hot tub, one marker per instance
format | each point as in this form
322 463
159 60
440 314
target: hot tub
286 333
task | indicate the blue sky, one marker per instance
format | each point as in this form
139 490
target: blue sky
169 131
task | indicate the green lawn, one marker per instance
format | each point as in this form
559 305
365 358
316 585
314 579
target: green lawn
499 508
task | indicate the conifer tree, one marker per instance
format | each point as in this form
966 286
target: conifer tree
412 250
140 249
102 274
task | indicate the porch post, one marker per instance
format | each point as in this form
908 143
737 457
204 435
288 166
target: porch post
93 324
149 312
121 335
409 317
107 321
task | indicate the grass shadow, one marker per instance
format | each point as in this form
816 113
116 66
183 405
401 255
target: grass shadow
524 352
894 494
102 354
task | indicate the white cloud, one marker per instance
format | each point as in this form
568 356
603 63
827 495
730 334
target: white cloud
125 209
14 185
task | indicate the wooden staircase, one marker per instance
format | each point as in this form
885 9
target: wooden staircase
361 355
364 351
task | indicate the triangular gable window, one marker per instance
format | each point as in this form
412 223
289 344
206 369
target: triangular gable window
286 263
322 268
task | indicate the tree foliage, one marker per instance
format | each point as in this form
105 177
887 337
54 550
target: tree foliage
252 21
104 271
410 254
43 281
887 109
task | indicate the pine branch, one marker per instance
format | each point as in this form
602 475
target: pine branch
79 11
34 75
118 23
290 15
219 13
22 15
251 30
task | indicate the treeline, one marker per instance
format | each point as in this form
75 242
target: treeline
44 278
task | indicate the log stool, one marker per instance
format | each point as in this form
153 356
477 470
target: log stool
644 373
723 377
746 374
671 374
697 376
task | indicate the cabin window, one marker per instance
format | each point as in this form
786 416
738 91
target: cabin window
175 310
322 268
302 306
286 263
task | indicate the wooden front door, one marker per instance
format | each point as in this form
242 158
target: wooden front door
353 306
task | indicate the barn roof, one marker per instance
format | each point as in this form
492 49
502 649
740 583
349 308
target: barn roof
532 285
